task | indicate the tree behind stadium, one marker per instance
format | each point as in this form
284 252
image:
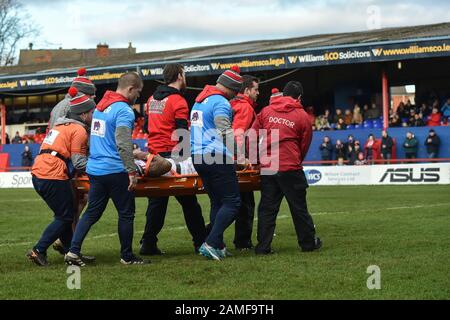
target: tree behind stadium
14 27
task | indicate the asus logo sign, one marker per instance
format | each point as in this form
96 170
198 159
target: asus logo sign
408 175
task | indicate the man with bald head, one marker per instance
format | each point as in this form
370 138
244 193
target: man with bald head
111 168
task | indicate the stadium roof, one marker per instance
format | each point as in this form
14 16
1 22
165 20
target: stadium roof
251 47
393 44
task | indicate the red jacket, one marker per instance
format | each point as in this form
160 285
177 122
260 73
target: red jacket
164 108
376 149
435 120
287 116
243 116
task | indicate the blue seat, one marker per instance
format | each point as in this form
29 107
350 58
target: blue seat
358 126
367 124
350 127
377 124
333 126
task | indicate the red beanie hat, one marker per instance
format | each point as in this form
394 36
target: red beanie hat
83 84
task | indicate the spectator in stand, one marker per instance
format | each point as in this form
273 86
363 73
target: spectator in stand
365 112
386 146
349 145
435 103
350 140
373 113
17 139
409 107
328 116
357 116
371 148
27 157
322 123
432 142
136 147
340 161
402 112
339 149
6 138
376 113
326 149
425 110
395 121
338 116
341 124
435 118
361 161
416 120
410 146
446 110
348 118
351 154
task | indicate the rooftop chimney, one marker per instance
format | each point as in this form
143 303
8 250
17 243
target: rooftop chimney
102 50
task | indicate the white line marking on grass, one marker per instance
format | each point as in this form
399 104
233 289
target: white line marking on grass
283 216
381 209
19 200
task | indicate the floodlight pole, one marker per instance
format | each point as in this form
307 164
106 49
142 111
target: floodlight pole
385 93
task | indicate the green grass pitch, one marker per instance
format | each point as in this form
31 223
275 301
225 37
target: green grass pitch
405 230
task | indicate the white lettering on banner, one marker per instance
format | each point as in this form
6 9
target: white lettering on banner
286 122
15 180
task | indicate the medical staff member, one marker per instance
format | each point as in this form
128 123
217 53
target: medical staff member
282 175
63 149
111 168
213 149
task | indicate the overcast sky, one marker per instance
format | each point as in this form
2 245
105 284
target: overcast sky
153 25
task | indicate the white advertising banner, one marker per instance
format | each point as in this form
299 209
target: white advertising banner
15 180
401 174
427 173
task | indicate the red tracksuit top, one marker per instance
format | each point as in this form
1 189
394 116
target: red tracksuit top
243 116
163 108
295 131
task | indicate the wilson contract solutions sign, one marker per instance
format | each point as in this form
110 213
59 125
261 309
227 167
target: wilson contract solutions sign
438 173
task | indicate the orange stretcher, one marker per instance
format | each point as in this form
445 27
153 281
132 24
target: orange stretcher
249 180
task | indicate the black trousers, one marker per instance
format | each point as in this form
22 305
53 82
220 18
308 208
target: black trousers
156 213
244 221
58 196
292 185
111 186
